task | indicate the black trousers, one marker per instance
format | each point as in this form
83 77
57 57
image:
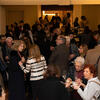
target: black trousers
35 86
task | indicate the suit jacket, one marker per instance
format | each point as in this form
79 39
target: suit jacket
60 57
6 51
92 56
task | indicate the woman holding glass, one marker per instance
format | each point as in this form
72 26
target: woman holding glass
92 89
74 75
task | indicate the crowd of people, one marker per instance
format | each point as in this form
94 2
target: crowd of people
50 61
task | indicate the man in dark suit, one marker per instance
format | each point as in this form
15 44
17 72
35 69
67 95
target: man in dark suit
60 55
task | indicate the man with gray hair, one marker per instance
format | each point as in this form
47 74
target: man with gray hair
7 49
60 55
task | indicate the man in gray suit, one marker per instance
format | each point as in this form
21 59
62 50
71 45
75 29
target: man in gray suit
60 55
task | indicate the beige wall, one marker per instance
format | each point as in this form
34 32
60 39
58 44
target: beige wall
28 13
39 11
77 11
2 20
92 12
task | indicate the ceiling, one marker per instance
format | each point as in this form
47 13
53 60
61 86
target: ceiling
47 2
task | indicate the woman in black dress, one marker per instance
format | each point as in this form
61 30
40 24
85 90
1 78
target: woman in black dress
16 89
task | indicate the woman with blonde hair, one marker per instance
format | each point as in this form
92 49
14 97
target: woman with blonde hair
83 48
36 65
16 89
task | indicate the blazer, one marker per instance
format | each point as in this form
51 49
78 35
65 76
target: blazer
60 57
